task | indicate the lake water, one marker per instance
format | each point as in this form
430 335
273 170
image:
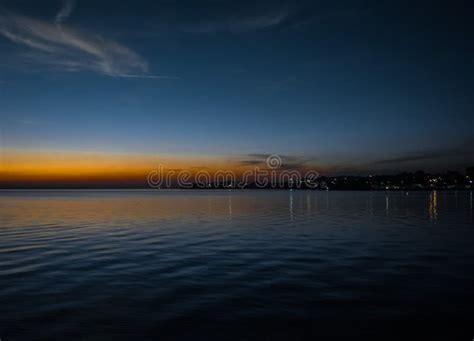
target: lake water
240 265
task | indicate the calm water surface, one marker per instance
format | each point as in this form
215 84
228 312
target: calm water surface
240 265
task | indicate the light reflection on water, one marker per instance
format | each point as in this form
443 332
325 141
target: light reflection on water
200 264
433 207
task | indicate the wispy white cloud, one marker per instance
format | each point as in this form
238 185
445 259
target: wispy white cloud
147 76
65 11
244 22
67 49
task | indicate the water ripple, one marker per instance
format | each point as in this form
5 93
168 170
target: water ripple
274 265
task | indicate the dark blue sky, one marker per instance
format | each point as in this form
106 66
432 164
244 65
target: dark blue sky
355 86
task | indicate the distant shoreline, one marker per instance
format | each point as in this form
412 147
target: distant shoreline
226 189
417 181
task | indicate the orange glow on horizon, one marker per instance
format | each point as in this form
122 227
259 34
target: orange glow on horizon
17 166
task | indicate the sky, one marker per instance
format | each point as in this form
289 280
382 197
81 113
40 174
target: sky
346 87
